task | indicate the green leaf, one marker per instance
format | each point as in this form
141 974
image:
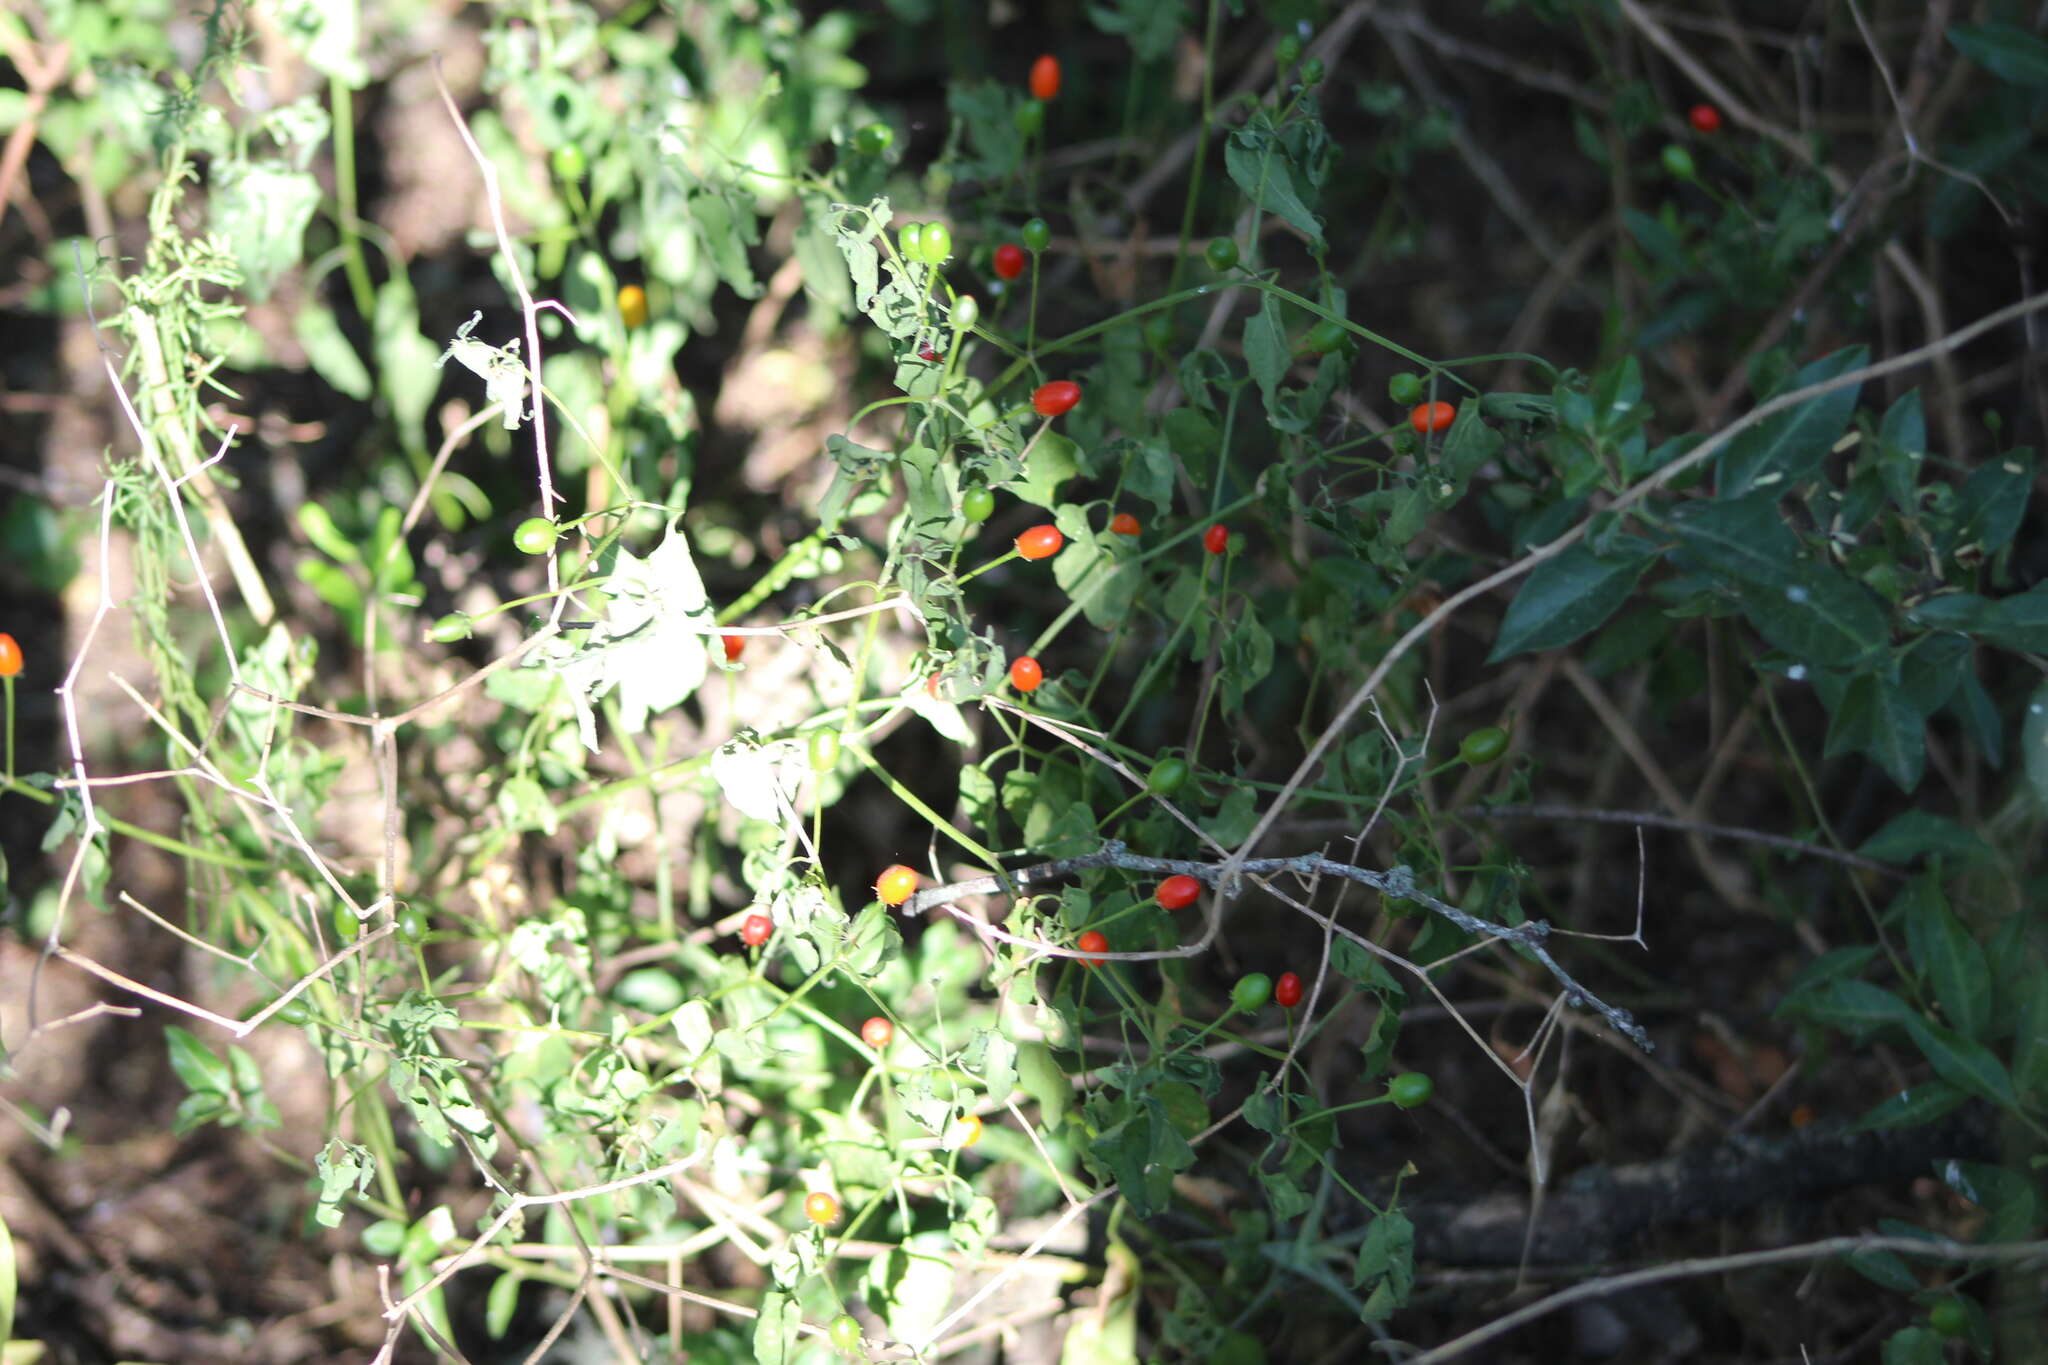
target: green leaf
1744 539
1817 614
775 1331
910 1288
1918 832
7 1284
1886 1268
1991 505
262 209
1857 1008
1922 1104
1953 961
1150 26
1053 459
1788 446
196 1066
1913 1345
501 1303
1874 718
1265 169
2034 744
1567 596
329 352
1386 1261
2011 54
1265 349
2030 1043
1963 1062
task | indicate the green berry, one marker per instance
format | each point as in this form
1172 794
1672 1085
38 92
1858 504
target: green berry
1325 337
966 312
1221 253
1482 747
873 139
1035 234
412 926
1251 992
845 1333
1411 1089
1405 389
569 162
1168 776
1678 161
937 244
1029 118
824 749
977 503
536 535
450 628
910 241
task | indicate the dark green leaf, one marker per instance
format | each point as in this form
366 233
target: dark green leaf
2034 743
1567 596
1263 167
1817 615
1963 1062
2009 53
1744 539
1874 718
1953 961
1991 504
1918 832
1923 1104
1788 446
1857 1008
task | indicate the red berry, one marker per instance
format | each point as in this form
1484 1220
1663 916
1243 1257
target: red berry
1287 990
1124 524
1040 542
1093 941
757 930
1026 675
1705 118
733 645
896 884
10 656
1051 400
928 354
1045 77
877 1032
1177 891
1010 261
931 686
821 1208
1431 417
1216 539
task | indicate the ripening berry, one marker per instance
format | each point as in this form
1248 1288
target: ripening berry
896 884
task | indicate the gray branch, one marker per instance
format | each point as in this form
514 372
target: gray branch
1399 883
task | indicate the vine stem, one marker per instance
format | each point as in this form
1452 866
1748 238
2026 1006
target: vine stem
1706 450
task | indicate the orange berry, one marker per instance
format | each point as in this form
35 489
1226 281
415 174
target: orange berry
1430 417
1026 675
877 1032
1040 542
1124 524
734 644
1094 941
1045 77
10 656
821 1208
896 884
